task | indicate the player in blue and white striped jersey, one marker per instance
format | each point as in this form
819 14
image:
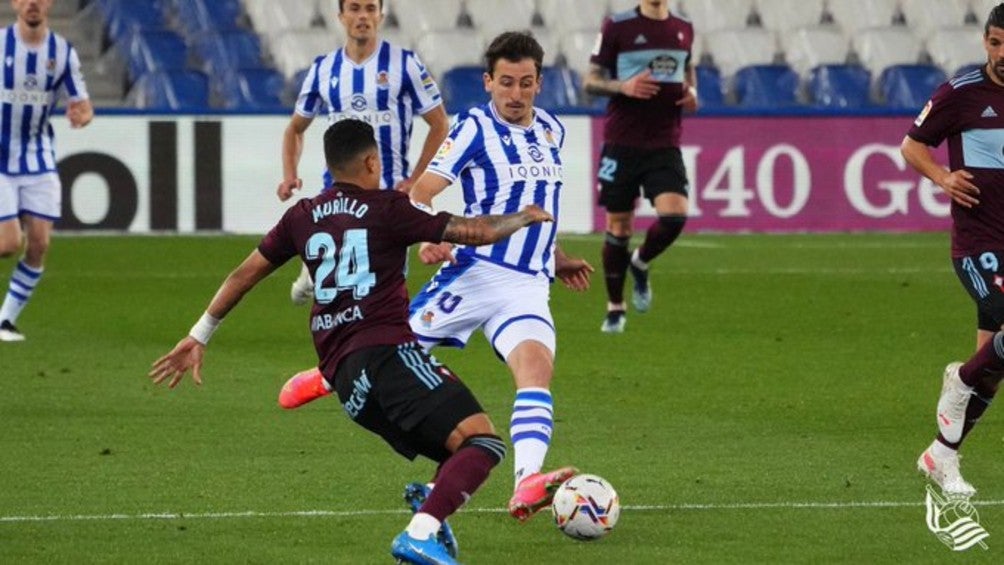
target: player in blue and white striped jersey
39 67
506 155
371 80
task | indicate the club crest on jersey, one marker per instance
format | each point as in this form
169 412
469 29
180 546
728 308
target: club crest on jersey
358 102
50 65
382 80
549 137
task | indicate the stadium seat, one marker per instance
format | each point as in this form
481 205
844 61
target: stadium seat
490 20
255 88
710 89
956 47
272 18
296 49
560 88
766 86
291 91
909 86
785 15
170 90
925 17
980 9
570 16
839 86
198 16
879 48
419 18
809 47
576 48
714 15
549 41
442 50
126 16
147 51
462 87
854 16
731 49
222 52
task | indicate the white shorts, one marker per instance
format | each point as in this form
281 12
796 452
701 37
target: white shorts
39 195
509 306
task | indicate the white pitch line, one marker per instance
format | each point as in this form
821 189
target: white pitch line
350 513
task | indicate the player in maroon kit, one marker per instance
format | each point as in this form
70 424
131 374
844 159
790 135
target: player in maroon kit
968 111
354 239
642 61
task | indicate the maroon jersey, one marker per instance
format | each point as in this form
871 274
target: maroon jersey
968 111
628 44
354 242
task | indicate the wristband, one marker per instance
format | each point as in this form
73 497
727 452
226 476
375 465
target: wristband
204 328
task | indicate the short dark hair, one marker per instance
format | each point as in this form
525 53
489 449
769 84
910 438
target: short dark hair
995 19
514 46
345 141
341 5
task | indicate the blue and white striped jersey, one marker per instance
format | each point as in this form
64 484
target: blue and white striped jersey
502 168
386 91
34 79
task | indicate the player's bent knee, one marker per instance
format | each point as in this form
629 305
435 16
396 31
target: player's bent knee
489 443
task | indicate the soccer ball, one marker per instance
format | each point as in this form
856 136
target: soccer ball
586 507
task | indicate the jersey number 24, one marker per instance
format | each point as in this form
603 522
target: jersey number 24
350 265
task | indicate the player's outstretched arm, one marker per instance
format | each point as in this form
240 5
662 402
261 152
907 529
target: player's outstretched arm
489 229
572 271
189 351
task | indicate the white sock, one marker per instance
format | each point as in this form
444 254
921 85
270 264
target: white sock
636 260
422 526
22 285
530 427
942 451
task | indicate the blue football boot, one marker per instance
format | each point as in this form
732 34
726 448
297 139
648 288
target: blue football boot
415 495
641 295
421 552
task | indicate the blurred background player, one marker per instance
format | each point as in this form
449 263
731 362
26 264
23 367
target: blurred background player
40 67
370 80
968 111
642 61
354 239
506 154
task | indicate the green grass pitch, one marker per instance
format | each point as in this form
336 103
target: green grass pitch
769 409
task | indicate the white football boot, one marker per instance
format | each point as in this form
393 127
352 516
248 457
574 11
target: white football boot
302 291
955 396
944 470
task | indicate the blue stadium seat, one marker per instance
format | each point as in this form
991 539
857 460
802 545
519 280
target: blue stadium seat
224 51
256 88
766 86
171 90
839 86
560 87
127 16
195 16
909 86
710 90
463 87
151 50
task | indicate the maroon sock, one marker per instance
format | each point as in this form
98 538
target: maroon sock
462 474
988 360
615 264
661 235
